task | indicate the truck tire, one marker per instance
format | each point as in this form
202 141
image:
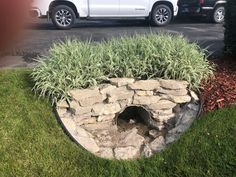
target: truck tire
218 14
63 17
161 15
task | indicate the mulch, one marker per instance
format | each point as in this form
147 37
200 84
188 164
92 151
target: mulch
220 91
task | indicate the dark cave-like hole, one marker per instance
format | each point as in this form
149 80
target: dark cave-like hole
134 116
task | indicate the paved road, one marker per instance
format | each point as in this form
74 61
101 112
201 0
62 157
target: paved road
42 35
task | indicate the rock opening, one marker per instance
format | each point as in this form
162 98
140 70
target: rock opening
134 116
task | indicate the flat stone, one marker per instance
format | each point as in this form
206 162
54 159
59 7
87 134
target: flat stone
173 84
79 110
87 143
162 104
62 104
105 109
155 124
194 107
86 102
104 89
144 93
158 144
180 92
154 133
188 117
99 126
179 129
121 81
80 94
179 99
106 153
89 120
125 153
164 118
147 152
163 112
69 124
61 112
145 85
125 102
119 94
194 96
106 117
105 141
82 132
131 138
170 138
146 100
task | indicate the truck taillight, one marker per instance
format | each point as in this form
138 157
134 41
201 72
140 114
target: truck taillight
201 2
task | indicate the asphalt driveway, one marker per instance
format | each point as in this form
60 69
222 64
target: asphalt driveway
42 34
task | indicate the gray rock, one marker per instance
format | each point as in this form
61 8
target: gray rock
172 138
121 81
194 107
148 85
125 153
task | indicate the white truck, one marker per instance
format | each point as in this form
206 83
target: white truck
65 12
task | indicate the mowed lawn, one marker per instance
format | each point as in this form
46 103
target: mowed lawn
32 143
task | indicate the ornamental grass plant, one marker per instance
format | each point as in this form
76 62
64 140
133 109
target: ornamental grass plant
76 64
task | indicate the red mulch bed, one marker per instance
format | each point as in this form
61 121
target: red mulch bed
220 91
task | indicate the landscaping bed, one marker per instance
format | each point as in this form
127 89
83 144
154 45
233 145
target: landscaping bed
220 91
34 144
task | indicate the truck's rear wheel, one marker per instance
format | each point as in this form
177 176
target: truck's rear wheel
63 17
161 15
219 14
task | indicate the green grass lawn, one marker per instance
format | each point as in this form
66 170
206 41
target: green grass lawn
32 143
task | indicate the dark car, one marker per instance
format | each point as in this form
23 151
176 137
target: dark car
213 9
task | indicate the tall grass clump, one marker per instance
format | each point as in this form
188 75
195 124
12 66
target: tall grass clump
76 64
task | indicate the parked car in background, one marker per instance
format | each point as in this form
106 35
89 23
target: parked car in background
213 9
65 12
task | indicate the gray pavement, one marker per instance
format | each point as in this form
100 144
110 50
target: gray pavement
40 37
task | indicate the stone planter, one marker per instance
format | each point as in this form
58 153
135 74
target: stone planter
127 119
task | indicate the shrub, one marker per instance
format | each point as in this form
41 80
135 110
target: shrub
76 64
230 28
